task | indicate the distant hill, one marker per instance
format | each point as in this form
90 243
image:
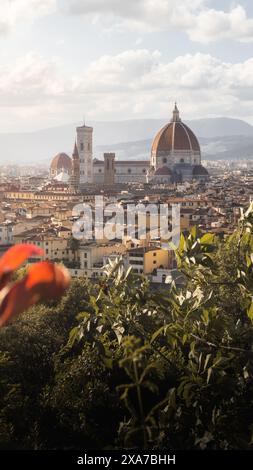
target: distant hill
216 127
216 148
129 139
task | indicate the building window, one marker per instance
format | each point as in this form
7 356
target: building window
88 146
129 171
100 171
144 170
81 146
181 160
165 160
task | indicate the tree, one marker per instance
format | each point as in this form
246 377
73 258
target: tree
127 367
74 246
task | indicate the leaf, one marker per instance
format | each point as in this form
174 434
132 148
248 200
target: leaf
245 373
119 331
108 362
157 333
184 339
205 317
207 239
43 281
207 360
209 372
73 336
250 312
181 245
128 272
194 232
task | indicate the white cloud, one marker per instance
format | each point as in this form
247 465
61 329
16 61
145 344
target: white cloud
133 84
118 73
13 11
140 70
194 17
29 81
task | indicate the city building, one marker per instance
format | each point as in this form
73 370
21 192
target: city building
146 260
6 233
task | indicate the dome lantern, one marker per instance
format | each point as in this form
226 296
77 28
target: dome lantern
175 116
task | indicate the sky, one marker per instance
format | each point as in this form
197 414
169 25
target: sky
62 61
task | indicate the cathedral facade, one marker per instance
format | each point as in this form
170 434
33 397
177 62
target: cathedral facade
175 157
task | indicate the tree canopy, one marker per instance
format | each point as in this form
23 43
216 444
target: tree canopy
120 365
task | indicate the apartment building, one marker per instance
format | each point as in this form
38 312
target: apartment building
6 233
146 260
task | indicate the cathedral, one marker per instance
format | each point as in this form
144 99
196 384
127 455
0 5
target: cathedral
175 158
176 154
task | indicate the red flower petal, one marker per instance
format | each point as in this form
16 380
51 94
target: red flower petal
15 257
43 281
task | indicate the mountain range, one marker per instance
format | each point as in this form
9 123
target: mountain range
130 139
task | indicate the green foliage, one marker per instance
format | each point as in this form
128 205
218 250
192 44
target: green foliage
118 365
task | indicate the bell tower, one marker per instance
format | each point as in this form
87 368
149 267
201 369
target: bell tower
75 176
84 141
109 169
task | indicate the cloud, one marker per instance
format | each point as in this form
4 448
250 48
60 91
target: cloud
194 17
118 73
13 11
29 81
133 84
140 69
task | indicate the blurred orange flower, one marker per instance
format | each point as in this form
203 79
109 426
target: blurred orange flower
43 281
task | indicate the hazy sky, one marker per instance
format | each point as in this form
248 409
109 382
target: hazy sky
61 60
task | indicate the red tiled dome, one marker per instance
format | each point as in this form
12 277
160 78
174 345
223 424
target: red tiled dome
175 136
61 161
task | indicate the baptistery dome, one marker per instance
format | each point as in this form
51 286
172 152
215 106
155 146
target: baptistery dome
61 163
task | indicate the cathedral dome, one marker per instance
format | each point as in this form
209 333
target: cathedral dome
60 163
175 136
